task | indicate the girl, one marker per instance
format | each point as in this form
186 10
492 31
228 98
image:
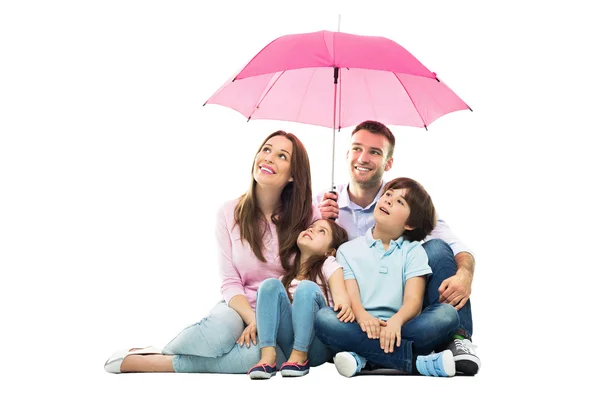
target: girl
255 234
286 309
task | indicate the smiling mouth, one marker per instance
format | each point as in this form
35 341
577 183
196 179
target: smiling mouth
267 170
384 210
307 235
363 169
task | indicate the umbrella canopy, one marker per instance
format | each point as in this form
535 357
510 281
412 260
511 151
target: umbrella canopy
335 79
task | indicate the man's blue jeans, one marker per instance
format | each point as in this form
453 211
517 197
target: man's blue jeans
443 265
420 336
290 325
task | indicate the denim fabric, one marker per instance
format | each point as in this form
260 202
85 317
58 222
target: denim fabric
419 336
212 337
210 345
443 265
237 361
290 325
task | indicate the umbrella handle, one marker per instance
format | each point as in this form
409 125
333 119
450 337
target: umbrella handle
336 195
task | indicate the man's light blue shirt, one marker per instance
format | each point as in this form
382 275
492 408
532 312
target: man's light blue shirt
356 220
381 274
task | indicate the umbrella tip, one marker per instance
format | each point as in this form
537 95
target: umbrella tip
425 125
470 109
248 119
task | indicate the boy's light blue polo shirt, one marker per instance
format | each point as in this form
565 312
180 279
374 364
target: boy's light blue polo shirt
381 274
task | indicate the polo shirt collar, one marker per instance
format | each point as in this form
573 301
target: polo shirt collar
371 241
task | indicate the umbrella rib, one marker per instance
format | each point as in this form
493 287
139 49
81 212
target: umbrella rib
411 100
305 92
265 95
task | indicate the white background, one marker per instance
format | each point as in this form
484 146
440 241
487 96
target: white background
111 171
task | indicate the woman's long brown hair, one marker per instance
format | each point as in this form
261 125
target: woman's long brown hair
293 214
313 267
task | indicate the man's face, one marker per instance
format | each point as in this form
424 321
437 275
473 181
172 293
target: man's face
367 158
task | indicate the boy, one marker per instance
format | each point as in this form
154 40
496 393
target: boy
385 274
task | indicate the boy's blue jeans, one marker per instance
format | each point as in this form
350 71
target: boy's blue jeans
420 336
443 265
290 325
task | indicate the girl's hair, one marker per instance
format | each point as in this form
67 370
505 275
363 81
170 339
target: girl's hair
422 217
313 267
290 217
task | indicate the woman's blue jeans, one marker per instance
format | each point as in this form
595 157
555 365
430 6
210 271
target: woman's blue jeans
419 336
290 325
210 345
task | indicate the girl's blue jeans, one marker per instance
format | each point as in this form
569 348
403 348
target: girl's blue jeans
290 325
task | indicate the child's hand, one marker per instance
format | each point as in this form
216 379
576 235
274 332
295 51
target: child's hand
345 312
248 334
390 335
370 325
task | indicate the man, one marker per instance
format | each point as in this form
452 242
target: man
370 155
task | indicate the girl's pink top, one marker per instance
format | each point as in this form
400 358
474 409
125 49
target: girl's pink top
330 266
241 272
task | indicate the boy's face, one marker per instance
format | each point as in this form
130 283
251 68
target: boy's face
367 158
392 211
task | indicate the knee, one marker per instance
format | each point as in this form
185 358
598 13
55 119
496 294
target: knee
448 316
270 286
436 248
325 319
306 288
439 254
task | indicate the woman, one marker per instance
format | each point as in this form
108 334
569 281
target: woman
256 234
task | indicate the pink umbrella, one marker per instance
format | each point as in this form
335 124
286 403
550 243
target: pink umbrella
335 79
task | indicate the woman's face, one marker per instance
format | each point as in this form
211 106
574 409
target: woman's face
273 163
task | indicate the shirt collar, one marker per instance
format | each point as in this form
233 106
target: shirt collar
372 241
344 197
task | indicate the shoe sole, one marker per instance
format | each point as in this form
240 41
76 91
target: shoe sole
467 367
113 364
345 363
293 373
449 363
261 375
467 364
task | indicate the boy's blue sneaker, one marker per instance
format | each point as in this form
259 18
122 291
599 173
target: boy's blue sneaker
440 364
293 369
349 363
262 371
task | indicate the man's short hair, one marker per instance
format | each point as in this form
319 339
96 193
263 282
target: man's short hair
376 127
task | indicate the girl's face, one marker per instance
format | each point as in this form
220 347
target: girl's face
316 239
272 164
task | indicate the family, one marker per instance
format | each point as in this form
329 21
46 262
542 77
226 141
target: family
368 277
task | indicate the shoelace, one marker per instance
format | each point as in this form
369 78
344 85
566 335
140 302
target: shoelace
466 345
